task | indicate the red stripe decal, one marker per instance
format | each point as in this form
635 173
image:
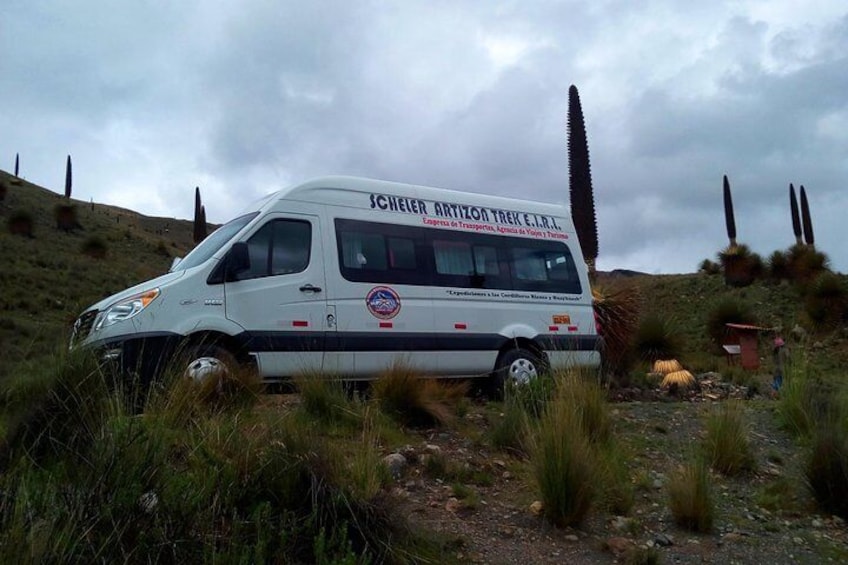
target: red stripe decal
300 323
572 328
553 328
386 324
460 326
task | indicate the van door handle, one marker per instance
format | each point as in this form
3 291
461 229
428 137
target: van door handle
310 288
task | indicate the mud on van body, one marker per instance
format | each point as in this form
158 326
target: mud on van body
346 276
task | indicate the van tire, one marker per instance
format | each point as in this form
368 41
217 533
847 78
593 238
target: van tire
203 362
516 367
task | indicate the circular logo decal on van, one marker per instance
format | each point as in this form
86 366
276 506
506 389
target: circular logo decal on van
383 302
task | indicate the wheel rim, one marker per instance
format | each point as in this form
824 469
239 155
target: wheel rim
522 371
203 368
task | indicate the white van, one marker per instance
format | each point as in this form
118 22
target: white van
346 276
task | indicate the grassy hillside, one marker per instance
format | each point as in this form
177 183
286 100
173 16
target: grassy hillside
687 301
46 280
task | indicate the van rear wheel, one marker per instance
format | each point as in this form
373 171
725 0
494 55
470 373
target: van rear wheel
516 367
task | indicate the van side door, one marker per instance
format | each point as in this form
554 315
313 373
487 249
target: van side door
280 300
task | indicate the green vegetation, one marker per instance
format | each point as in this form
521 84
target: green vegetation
574 459
690 496
47 279
617 311
726 446
198 477
415 401
656 338
728 311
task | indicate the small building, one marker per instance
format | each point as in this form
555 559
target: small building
742 343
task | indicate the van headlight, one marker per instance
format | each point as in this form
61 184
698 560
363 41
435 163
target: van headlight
125 309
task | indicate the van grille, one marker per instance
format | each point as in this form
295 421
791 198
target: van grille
82 327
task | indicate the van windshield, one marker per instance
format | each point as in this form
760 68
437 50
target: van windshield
216 240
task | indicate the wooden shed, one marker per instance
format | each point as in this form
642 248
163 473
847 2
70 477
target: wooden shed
742 343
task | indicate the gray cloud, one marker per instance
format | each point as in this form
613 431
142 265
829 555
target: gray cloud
152 100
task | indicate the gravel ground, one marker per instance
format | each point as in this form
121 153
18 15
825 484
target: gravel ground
497 525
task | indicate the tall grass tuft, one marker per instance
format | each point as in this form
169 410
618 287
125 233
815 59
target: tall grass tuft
587 400
509 431
805 263
804 397
741 266
617 312
726 446
563 464
574 459
826 302
690 496
728 310
656 338
826 469
327 400
778 266
415 401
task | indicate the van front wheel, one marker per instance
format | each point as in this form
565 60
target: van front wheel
205 362
516 367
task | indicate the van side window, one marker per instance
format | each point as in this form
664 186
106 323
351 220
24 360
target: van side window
389 253
280 247
453 258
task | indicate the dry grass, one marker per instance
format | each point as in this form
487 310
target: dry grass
415 401
690 496
726 446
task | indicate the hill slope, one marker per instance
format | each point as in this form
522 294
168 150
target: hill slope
46 280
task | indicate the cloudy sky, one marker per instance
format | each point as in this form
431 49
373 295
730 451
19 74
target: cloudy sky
152 98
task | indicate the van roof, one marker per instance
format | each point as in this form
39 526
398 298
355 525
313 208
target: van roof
322 190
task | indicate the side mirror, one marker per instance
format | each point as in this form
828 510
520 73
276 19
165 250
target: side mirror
238 259
174 263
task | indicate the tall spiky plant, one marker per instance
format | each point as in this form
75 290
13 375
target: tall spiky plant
580 181
808 222
796 218
198 232
729 219
68 178
203 222
17 163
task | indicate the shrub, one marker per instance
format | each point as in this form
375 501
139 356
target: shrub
805 398
805 263
827 464
827 300
617 313
778 266
3 189
415 401
728 310
20 223
509 431
66 217
94 247
162 249
87 481
326 399
655 338
709 267
726 446
616 494
690 497
563 465
740 265
587 400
